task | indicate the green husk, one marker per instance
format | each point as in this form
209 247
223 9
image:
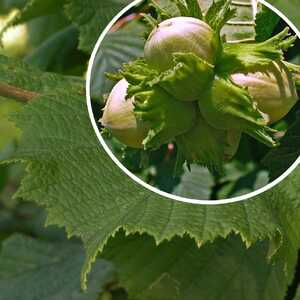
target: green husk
229 107
218 14
167 116
250 57
188 78
189 8
203 145
207 146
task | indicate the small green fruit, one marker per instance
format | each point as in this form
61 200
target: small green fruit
118 117
208 146
274 90
179 35
167 116
190 76
227 106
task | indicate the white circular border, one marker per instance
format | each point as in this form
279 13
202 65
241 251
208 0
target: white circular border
137 179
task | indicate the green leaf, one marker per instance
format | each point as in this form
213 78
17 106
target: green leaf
223 270
7 128
7 5
92 17
10 178
32 269
162 13
169 6
50 41
288 8
3 178
195 183
297 297
280 159
117 48
70 175
245 184
38 8
32 79
52 53
266 22
27 218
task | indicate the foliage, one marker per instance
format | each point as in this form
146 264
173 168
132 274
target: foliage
92 17
195 184
288 9
287 152
32 269
117 48
56 172
155 248
263 30
168 277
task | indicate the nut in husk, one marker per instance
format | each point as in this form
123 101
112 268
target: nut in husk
273 90
179 35
118 117
208 146
227 106
166 116
190 76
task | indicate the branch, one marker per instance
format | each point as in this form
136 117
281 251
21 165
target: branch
16 93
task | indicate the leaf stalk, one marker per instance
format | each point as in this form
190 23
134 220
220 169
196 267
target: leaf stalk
21 95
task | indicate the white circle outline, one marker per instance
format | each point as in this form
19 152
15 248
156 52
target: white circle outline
137 179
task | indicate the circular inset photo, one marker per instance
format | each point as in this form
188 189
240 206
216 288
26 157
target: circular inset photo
197 100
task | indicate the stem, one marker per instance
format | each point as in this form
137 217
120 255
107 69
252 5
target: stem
9 91
297 80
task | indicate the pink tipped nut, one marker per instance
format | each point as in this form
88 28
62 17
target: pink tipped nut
119 119
273 91
180 34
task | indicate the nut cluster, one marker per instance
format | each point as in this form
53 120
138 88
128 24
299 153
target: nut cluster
194 89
